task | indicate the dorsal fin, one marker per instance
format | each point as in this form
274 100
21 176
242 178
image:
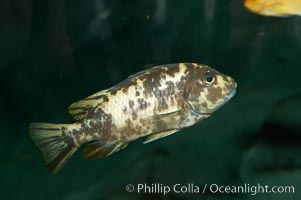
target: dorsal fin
146 71
80 109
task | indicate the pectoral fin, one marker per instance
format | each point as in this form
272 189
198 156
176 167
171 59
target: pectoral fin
159 135
98 149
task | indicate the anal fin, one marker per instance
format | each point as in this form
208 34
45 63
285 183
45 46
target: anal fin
99 149
159 135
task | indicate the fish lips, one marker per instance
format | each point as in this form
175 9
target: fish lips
229 95
233 91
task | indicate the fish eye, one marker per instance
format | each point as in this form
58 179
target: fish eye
208 79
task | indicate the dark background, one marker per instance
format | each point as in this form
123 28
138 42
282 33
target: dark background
53 53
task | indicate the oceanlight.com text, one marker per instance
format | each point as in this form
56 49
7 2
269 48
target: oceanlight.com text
192 188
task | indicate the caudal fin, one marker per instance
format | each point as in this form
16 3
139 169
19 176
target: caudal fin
55 142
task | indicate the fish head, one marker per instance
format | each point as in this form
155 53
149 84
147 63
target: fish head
207 90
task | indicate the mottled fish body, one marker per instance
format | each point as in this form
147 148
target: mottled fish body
155 103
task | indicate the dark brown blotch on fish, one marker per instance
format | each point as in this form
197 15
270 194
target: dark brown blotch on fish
189 68
123 86
134 114
131 103
125 89
172 70
151 83
214 94
104 97
162 103
163 76
170 89
142 104
193 89
130 128
102 125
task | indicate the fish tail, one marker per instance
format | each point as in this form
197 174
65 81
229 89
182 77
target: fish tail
55 142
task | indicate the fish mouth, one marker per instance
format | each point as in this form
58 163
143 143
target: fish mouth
233 91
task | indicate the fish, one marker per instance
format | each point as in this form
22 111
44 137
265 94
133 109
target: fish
276 8
153 103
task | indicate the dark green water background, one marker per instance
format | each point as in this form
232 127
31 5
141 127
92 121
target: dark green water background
53 53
